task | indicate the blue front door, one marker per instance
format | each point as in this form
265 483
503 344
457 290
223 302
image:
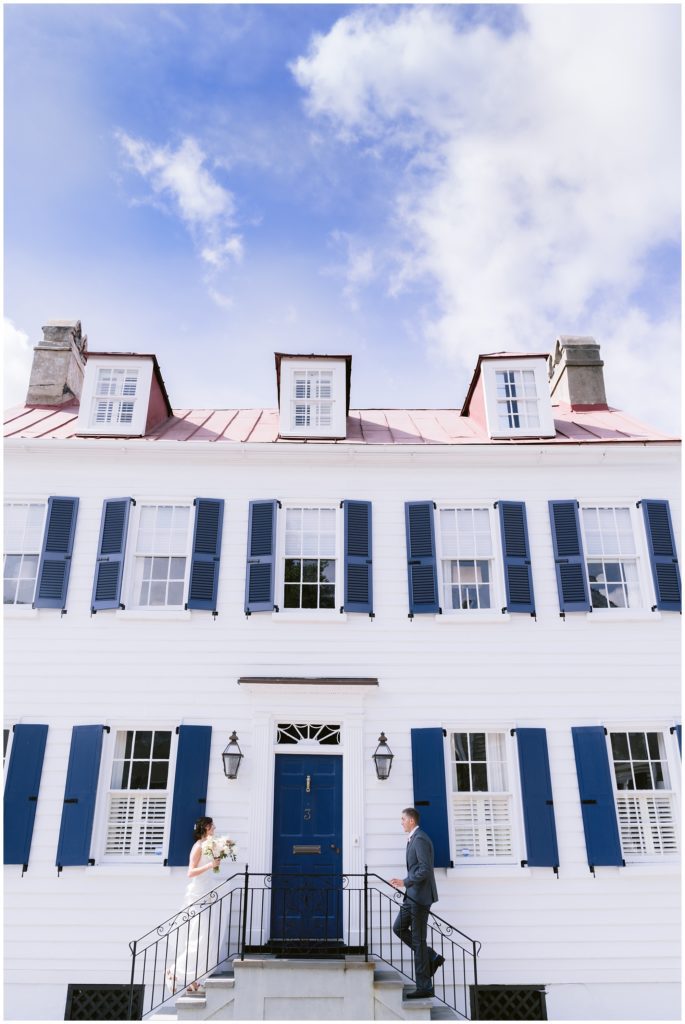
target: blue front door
306 900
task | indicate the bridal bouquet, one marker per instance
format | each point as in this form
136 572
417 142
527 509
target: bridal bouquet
221 847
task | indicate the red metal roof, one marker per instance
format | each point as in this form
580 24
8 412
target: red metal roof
364 426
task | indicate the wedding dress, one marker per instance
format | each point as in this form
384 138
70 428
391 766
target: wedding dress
196 946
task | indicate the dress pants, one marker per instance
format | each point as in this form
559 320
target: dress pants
411 926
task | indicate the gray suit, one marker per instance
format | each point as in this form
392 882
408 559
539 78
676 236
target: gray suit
411 924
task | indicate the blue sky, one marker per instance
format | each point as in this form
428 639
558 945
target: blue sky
412 184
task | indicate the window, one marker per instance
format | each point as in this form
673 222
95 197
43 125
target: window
138 794
481 798
610 557
644 800
517 400
309 574
466 557
115 393
161 556
24 525
312 402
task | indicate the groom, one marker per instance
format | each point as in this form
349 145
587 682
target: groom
411 924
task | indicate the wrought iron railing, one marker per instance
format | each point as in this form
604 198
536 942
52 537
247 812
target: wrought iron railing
298 915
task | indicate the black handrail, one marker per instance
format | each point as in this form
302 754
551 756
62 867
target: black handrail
313 915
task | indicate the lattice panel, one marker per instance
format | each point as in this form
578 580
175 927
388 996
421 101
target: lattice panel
135 825
647 824
103 1002
503 1003
482 826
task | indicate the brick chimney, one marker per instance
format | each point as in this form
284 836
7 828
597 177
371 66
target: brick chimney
575 373
58 364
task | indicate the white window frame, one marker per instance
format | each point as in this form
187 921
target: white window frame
26 501
644 581
289 370
89 397
489 370
99 842
513 794
129 587
318 613
497 600
672 759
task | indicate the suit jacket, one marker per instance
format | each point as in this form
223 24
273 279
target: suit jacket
420 880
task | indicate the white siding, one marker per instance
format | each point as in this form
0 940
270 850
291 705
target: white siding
619 928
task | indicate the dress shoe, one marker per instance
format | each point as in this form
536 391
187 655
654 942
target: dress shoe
419 993
437 964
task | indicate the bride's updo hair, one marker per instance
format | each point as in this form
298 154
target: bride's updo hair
201 826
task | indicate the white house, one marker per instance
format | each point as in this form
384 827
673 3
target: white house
495 588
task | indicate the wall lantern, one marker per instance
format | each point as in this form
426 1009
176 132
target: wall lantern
232 756
383 757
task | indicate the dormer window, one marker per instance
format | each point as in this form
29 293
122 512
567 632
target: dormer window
115 393
514 393
313 394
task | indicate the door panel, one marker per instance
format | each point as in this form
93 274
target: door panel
307 851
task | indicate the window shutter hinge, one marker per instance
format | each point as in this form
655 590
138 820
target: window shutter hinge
439 611
504 610
91 862
671 730
24 869
496 504
106 728
555 869
278 503
606 731
59 870
342 608
654 607
533 615
435 507
512 732
122 607
185 607
342 504
451 863
444 733
562 615
133 501
248 613
165 862
62 612
411 615
623 863
215 614
592 869
194 502
524 863
372 615
637 504
177 729
276 608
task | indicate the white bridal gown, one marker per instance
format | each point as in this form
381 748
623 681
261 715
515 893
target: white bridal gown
197 945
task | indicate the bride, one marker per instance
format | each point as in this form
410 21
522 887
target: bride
195 945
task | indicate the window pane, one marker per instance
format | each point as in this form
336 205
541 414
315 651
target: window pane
327 570
327 596
158 774
309 595
477 746
9 591
292 543
638 746
463 778
162 745
293 570
12 566
25 591
461 746
117 775
624 776
293 519
291 595
29 568
619 746
643 776
479 777
157 593
140 771
327 520
310 570
160 568
653 744
177 568
327 544
658 775
310 520
128 748
144 598
143 744
310 544
175 594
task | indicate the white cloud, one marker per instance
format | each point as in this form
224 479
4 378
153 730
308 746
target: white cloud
541 168
205 206
358 268
17 359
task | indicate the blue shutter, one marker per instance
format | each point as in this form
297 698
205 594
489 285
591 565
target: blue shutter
80 792
261 557
568 557
536 795
358 557
190 790
662 554
109 564
518 575
21 790
422 573
204 568
55 557
596 796
430 791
